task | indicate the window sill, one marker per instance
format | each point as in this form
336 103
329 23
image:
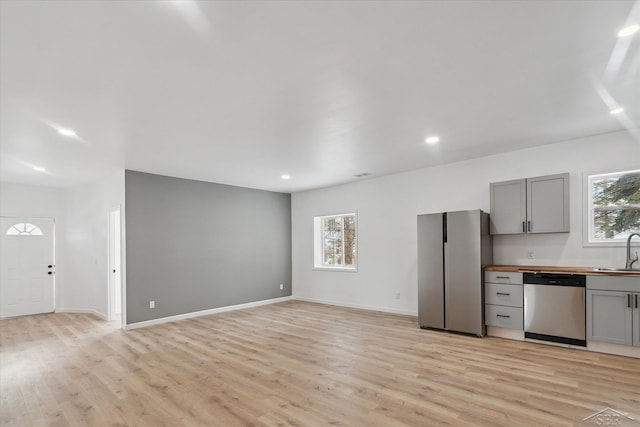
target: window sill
619 244
346 269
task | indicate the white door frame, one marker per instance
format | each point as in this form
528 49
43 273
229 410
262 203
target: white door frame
114 239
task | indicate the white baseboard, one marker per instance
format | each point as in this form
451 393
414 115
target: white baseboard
512 334
83 311
620 350
359 306
193 314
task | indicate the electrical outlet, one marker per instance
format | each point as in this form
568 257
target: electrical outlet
529 254
152 304
281 286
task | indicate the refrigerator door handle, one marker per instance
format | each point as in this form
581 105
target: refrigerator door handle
446 282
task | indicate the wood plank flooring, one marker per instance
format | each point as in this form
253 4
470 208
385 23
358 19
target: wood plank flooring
297 363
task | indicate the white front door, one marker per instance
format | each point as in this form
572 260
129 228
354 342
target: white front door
28 266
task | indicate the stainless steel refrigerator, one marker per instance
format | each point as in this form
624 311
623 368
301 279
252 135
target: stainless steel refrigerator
453 248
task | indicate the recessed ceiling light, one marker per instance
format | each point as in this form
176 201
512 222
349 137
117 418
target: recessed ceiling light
39 169
627 31
432 140
66 132
285 176
616 111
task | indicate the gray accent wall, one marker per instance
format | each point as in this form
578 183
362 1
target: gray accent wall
193 245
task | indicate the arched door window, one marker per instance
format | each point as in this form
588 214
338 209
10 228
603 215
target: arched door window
24 229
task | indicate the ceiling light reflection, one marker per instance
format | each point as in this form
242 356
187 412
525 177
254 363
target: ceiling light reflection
622 48
196 19
67 132
612 104
628 31
32 166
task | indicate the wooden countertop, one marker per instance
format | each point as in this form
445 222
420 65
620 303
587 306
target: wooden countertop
566 270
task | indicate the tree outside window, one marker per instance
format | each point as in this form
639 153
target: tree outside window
614 210
336 241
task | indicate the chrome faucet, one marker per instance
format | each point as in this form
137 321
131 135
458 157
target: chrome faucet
630 261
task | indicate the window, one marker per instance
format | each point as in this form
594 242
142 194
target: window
24 229
613 206
336 242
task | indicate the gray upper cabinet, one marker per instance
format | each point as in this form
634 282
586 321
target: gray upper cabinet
548 204
508 207
532 205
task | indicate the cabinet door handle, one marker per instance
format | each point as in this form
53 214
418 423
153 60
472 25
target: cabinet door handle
636 298
528 225
628 300
503 293
503 277
503 315
524 227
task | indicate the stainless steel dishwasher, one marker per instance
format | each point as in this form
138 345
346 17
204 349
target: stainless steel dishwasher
554 308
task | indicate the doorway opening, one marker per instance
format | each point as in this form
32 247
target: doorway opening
115 267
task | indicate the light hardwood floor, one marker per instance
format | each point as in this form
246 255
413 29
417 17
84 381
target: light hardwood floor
297 363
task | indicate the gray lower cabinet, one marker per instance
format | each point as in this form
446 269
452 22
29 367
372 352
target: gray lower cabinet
613 317
613 309
503 297
609 317
636 319
504 317
503 294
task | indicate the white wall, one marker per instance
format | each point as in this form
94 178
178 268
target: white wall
87 214
32 201
387 208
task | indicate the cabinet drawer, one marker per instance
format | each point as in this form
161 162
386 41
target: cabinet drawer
614 283
501 294
504 317
503 277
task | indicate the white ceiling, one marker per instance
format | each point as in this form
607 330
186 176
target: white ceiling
242 92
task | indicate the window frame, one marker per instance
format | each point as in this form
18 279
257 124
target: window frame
318 243
588 216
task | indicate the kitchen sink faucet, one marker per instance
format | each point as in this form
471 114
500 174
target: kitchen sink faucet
630 261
